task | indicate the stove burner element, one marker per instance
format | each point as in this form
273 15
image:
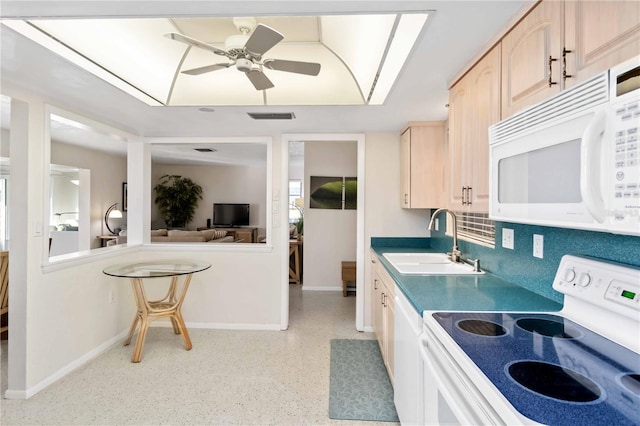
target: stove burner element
482 328
554 381
548 328
631 382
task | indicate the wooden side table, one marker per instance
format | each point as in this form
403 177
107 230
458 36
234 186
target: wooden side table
295 267
348 275
104 239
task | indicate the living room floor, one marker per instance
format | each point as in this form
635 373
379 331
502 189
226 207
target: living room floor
229 377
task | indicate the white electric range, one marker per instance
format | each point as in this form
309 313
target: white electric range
577 366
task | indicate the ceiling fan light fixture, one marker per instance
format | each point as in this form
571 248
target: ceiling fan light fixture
244 64
245 51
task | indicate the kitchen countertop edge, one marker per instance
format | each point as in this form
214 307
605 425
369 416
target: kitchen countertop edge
486 292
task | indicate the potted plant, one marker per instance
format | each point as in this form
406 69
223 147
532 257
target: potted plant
300 227
177 198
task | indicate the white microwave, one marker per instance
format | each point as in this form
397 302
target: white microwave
572 161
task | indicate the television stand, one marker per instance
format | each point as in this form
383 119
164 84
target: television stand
247 234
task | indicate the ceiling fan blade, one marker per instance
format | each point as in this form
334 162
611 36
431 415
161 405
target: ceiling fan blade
197 43
259 80
308 68
262 39
208 68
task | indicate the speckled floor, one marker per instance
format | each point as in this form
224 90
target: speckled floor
229 377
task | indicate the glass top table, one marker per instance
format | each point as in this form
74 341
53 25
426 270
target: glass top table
167 268
170 306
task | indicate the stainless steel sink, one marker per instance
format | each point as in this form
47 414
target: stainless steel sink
428 264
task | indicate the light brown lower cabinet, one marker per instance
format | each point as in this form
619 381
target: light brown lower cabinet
383 312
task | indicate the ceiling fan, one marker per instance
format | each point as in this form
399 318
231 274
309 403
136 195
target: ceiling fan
245 51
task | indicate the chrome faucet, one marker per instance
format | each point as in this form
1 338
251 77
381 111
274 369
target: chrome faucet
454 256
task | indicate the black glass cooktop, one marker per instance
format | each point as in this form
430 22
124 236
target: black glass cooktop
550 369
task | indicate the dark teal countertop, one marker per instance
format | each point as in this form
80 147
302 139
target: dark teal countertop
484 292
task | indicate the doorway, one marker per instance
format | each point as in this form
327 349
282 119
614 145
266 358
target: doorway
356 141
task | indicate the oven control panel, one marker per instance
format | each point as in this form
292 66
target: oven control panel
599 282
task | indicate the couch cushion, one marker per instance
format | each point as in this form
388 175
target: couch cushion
185 239
158 232
227 239
205 235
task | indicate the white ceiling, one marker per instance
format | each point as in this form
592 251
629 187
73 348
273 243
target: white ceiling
454 35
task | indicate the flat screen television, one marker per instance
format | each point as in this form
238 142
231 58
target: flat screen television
226 214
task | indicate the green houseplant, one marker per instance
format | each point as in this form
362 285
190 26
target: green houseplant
177 198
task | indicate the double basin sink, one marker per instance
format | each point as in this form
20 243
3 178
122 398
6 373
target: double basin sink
428 264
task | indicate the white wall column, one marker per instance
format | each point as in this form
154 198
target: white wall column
25 211
139 186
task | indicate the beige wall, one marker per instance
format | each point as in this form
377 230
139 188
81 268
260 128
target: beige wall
4 143
329 235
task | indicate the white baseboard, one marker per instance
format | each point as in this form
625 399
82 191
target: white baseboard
221 326
368 329
312 288
94 353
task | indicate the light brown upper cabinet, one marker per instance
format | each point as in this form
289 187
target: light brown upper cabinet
530 52
559 44
474 105
598 36
422 165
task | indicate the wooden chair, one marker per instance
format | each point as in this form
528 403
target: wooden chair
4 287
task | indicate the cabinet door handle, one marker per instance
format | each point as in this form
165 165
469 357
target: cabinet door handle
382 299
375 284
469 189
565 76
464 195
406 199
551 60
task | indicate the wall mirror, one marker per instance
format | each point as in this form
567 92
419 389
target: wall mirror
88 165
234 179
69 224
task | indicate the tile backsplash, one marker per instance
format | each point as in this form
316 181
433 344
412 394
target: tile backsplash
520 267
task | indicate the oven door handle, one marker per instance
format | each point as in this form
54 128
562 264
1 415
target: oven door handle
591 166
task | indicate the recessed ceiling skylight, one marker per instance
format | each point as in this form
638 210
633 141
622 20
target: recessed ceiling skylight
359 56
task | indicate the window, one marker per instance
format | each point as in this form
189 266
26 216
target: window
476 228
295 200
87 165
229 171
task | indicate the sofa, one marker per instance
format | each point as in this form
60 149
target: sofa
180 236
